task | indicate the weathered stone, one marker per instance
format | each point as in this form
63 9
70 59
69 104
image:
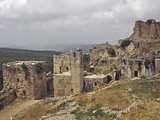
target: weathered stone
27 78
68 73
146 31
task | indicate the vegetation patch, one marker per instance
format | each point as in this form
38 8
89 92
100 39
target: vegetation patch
94 113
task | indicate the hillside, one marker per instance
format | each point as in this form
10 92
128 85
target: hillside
126 100
7 55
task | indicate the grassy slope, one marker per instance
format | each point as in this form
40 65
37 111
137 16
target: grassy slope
119 97
116 97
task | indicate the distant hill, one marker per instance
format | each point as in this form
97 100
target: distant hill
9 54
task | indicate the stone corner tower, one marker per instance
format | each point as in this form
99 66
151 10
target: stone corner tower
76 71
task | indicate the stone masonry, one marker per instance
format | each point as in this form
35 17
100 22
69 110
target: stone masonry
27 78
68 73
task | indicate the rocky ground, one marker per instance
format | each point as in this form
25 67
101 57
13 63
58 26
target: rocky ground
125 100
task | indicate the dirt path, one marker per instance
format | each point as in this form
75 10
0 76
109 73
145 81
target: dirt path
15 108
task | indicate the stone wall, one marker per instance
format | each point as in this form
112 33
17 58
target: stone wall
103 58
27 78
157 65
101 52
68 73
93 82
62 84
148 30
77 71
138 68
62 63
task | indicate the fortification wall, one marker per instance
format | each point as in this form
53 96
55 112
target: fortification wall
61 63
68 73
147 31
27 78
62 85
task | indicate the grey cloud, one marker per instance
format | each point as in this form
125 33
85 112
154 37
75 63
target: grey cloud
42 23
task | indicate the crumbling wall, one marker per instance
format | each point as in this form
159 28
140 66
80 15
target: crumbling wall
100 53
148 30
27 78
61 63
86 62
93 82
138 67
68 73
103 58
62 85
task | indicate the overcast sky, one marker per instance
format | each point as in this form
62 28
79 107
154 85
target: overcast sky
42 24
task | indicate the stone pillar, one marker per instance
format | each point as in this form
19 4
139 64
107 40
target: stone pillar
76 72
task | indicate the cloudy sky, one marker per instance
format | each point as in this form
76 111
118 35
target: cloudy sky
42 24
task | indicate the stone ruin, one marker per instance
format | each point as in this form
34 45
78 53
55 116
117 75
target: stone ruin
25 80
68 73
145 39
146 31
139 67
75 72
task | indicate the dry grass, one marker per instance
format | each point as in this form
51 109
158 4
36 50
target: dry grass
115 97
35 112
149 111
118 97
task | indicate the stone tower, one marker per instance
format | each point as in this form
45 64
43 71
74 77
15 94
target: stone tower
76 71
68 73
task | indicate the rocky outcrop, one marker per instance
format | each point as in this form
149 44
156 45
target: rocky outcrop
147 31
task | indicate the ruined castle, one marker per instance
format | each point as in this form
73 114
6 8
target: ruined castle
77 71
